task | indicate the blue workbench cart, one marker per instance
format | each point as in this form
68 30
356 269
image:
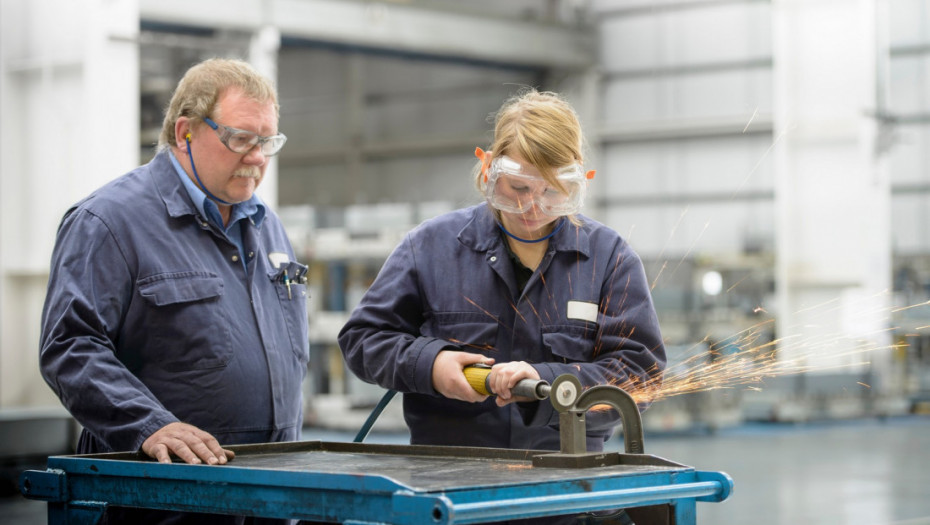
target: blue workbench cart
368 483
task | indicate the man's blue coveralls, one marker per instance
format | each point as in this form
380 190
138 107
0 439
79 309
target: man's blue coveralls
151 318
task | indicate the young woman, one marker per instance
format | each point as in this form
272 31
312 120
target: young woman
522 282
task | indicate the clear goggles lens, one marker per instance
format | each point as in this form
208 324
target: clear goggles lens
510 189
242 141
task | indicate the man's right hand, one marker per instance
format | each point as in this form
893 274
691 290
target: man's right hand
187 442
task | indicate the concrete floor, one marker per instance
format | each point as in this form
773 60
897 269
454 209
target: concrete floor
863 472
856 472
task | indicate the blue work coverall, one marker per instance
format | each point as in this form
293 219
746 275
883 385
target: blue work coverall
450 284
150 318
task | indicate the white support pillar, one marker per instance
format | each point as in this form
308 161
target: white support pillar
69 97
832 191
263 55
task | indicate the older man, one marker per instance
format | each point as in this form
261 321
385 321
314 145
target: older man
175 320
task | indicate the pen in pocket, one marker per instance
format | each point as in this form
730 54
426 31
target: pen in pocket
287 283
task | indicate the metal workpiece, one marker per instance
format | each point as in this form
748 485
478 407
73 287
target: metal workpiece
367 483
572 403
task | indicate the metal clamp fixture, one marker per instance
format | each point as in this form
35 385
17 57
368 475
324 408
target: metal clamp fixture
572 403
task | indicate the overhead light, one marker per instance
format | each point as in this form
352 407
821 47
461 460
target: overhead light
712 283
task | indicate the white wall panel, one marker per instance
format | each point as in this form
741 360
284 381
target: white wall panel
647 39
910 159
697 229
69 92
632 43
725 166
729 31
910 155
742 92
630 171
691 168
909 22
910 80
689 96
910 233
635 100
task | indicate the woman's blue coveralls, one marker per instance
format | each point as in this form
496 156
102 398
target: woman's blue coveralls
587 310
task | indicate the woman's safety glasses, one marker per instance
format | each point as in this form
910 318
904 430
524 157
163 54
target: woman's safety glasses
242 141
509 188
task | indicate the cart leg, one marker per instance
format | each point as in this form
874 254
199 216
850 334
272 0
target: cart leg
80 513
684 512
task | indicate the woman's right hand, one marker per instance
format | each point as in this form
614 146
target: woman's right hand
449 377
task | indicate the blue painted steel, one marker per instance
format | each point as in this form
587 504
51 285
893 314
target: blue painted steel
76 512
49 485
291 481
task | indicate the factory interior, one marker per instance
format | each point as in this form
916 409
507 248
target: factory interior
769 160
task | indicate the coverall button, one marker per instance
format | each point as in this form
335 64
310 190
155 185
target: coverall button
493 258
235 258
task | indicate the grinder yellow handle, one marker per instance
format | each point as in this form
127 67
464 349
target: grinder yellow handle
477 377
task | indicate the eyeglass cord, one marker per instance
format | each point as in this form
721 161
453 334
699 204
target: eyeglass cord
528 241
196 176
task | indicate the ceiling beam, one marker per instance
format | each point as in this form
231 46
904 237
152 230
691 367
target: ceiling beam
392 26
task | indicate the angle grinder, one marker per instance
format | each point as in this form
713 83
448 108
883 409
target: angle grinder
478 374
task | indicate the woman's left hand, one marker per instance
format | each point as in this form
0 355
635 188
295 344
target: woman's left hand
504 376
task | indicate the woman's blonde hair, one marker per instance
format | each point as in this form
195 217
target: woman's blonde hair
197 93
542 128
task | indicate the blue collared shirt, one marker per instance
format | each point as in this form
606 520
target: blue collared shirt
252 209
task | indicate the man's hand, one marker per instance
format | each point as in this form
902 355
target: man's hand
187 442
449 379
505 376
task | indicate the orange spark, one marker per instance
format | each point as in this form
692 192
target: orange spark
736 284
745 361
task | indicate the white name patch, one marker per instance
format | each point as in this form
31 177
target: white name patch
278 258
582 311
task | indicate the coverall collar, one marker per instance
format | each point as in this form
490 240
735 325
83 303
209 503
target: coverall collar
482 234
173 193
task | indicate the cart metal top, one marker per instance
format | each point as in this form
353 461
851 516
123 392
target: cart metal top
412 467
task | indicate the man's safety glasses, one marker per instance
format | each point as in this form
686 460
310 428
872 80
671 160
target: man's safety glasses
242 141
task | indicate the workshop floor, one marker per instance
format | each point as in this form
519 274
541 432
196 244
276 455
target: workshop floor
856 472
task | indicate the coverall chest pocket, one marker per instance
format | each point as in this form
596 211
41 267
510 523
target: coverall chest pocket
474 332
292 297
570 343
188 326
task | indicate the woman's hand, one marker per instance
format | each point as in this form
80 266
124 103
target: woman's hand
449 379
505 376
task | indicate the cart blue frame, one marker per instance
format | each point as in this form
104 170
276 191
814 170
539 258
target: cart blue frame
358 483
